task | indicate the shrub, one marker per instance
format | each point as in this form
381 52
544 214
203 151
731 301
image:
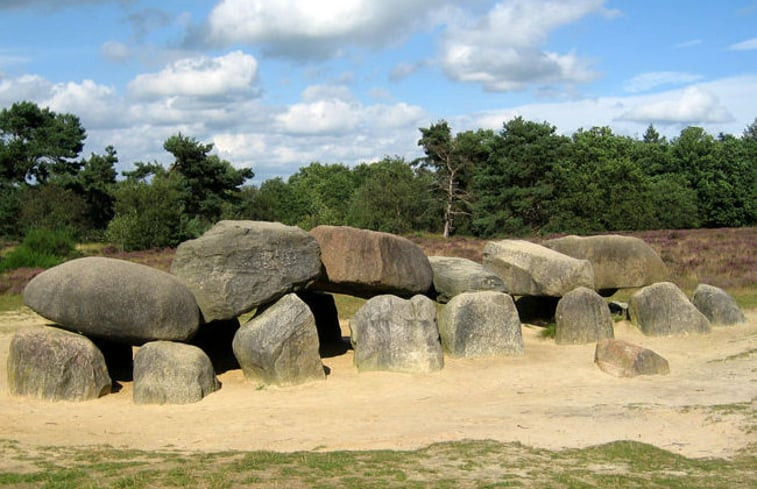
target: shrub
41 248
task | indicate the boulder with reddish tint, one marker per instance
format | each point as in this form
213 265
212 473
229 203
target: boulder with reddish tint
369 263
623 359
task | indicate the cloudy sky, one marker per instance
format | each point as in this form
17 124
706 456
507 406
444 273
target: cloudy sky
277 84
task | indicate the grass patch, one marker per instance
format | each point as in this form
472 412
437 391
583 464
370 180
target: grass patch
10 302
347 305
467 464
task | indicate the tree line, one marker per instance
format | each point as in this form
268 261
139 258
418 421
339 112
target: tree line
523 179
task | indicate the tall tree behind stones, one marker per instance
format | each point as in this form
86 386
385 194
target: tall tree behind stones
514 186
452 159
210 181
37 142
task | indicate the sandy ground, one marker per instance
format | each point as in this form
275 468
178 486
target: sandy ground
551 397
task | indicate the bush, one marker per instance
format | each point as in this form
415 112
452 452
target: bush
41 248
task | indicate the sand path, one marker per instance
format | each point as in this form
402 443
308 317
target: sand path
551 397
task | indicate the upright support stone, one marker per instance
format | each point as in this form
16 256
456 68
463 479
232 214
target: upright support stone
57 365
582 316
280 346
481 323
717 305
663 309
172 373
397 335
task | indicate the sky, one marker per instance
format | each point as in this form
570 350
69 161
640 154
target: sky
277 84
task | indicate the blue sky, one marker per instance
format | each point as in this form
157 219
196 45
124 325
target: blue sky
276 84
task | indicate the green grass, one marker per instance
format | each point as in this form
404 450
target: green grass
466 464
10 302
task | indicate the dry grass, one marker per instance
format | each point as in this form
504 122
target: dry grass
726 258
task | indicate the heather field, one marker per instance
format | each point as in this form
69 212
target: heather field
725 257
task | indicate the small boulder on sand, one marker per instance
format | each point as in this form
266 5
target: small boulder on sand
623 359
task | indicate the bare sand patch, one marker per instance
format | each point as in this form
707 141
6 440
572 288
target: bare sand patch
551 397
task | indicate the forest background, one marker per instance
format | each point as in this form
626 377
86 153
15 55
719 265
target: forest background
524 179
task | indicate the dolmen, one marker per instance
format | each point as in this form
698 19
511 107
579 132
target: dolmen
185 325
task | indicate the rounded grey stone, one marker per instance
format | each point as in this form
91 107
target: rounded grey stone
280 346
53 364
114 299
582 316
172 373
663 309
481 323
398 335
239 265
717 305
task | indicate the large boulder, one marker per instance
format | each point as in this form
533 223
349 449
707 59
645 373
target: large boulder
453 276
114 299
530 269
239 265
397 335
53 364
582 316
623 359
618 261
480 323
369 263
172 373
663 309
280 346
717 305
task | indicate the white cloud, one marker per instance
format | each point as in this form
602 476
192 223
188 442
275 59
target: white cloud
502 50
201 76
727 105
688 44
748 45
26 87
648 81
695 105
320 117
94 104
301 28
115 51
